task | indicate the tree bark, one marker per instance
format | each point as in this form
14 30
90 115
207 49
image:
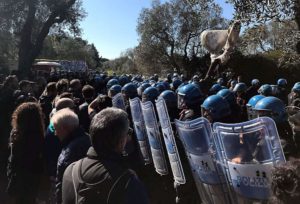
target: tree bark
297 19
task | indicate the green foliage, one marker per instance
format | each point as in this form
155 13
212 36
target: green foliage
270 37
70 48
31 21
169 34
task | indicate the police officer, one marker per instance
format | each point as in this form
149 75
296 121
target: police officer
274 108
253 89
216 109
241 99
189 100
281 91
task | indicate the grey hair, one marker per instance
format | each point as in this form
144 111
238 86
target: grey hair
108 128
65 118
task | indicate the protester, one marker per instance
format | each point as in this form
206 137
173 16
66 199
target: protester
25 163
88 93
102 177
75 143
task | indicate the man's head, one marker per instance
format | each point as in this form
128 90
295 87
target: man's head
26 86
75 85
88 92
64 121
108 130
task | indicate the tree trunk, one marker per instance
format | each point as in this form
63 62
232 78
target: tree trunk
25 46
297 19
28 51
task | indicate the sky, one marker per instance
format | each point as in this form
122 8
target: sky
111 24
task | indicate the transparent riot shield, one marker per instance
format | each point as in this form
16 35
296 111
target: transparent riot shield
118 101
196 136
156 145
140 130
170 142
249 151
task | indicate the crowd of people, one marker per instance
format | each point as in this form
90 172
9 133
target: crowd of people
63 133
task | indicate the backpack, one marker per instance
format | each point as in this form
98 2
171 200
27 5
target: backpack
108 190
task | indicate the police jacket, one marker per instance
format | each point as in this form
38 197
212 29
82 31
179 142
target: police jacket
102 178
74 148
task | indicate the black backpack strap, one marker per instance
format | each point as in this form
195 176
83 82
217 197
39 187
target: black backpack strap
75 170
118 190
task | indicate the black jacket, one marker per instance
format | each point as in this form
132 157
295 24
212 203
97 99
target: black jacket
74 148
101 176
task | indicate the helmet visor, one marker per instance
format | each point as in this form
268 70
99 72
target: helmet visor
180 101
207 114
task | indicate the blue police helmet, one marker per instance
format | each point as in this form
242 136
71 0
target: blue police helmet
160 87
142 88
152 82
227 95
170 98
296 88
130 90
233 83
220 81
272 107
265 90
167 85
215 88
190 95
111 82
255 82
176 83
254 99
115 89
123 80
282 82
240 87
217 107
150 94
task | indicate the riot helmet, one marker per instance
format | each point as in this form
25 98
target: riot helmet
265 90
142 88
215 88
296 88
114 90
175 84
255 82
251 104
282 83
215 108
170 99
150 94
189 96
228 96
111 82
271 107
129 90
160 87
240 87
220 81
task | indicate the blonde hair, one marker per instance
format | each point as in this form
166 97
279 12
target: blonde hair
65 118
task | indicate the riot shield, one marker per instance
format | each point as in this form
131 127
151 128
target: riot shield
140 130
196 136
154 137
249 151
170 142
118 101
